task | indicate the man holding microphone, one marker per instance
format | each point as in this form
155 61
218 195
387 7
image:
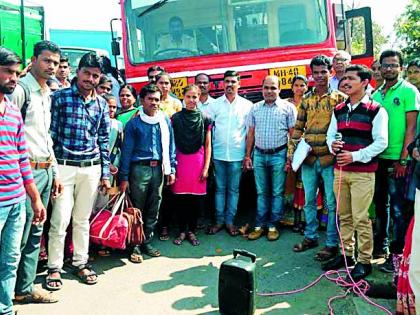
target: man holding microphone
363 126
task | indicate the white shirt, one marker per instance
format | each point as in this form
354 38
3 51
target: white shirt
37 119
230 130
379 134
334 83
203 106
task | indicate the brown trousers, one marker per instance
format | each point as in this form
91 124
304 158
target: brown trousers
356 194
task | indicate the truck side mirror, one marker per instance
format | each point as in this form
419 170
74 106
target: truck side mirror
115 48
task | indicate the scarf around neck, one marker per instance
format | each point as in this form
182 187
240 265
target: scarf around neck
188 128
159 118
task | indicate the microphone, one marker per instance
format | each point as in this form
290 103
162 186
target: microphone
338 137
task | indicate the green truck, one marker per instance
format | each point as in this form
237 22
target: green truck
11 34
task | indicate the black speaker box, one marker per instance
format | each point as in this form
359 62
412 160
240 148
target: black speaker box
237 282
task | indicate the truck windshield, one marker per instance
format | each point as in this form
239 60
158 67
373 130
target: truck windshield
183 28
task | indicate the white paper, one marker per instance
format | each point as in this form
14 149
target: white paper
301 152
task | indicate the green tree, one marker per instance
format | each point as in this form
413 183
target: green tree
358 37
407 27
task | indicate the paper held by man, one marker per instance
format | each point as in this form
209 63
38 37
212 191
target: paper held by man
301 152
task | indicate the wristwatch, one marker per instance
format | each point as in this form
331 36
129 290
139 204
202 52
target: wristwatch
403 162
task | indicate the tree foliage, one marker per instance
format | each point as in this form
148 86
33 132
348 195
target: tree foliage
358 37
407 27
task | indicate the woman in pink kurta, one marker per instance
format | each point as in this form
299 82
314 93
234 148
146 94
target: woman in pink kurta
192 132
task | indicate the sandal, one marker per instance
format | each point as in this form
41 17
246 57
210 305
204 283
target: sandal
193 239
327 253
179 239
84 277
232 230
214 229
103 252
164 235
37 296
305 245
136 256
56 280
149 250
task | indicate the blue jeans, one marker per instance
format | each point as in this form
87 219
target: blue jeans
31 240
269 180
12 220
310 177
390 202
228 176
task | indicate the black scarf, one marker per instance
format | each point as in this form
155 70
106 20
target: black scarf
188 130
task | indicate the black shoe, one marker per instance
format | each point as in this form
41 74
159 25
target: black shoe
337 263
361 271
380 253
388 265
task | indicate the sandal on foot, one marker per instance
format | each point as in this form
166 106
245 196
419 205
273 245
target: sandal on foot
305 245
49 280
193 239
136 256
232 230
327 253
37 296
104 252
164 235
214 229
179 239
83 276
149 250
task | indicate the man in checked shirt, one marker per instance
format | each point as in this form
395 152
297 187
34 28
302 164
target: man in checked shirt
80 132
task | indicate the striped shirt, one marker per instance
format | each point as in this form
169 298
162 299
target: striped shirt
314 116
79 128
272 123
15 170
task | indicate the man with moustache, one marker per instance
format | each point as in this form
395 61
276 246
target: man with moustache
269 122
229 114
63 72
401 101
36 110
314 115
340 61
148 153
16 179
202 80
363 124
80 126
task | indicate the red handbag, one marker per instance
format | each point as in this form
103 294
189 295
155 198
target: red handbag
109 228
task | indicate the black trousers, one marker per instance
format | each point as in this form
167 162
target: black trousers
188 208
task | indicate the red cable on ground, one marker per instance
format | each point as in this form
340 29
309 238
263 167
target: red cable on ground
359 288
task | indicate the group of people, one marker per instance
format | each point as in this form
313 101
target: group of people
58 148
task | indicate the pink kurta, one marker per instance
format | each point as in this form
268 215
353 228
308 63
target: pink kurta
188 172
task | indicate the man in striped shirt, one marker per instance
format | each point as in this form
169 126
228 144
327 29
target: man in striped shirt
15 181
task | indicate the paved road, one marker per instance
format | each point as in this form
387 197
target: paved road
184 281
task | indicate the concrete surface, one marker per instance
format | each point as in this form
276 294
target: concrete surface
184 280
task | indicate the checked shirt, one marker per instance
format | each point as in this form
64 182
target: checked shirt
79 128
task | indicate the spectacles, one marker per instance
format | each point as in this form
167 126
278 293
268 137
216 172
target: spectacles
390 65
340 59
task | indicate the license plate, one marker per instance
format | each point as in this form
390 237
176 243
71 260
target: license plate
286 75
178 85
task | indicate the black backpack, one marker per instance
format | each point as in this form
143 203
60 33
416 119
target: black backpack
27 99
